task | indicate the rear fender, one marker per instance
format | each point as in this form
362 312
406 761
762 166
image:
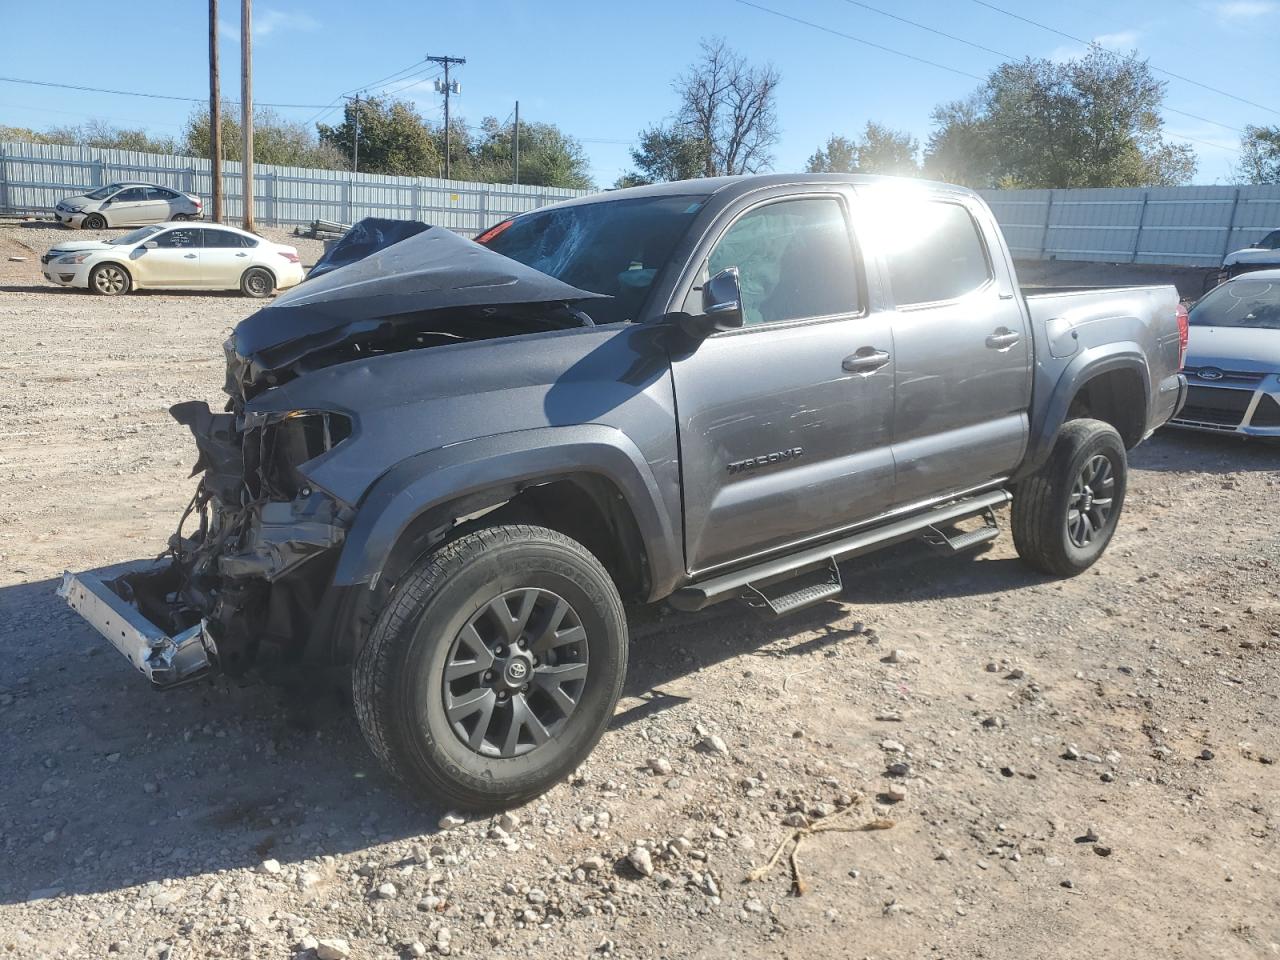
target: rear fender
1121 355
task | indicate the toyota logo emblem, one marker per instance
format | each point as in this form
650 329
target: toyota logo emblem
517 669
1210 373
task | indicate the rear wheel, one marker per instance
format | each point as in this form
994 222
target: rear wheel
182 217
1065 514
257 282
109 280
494 669
94 221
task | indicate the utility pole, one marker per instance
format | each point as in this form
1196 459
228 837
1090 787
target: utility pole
215 115
447 88
246 106
355 157
515 139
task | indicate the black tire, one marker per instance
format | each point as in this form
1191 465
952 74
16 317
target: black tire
1050 532
400 689
110 280
257 282
182 217
94 221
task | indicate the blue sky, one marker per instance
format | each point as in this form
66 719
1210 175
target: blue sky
602 71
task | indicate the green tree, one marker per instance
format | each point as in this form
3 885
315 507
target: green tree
878 150
549 157
23 134
275 140
394 138
1091 122
1260 155
666 152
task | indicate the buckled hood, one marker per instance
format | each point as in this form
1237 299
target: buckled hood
403 284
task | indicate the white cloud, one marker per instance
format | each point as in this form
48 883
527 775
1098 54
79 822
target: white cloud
1236 11
1123 40
267 21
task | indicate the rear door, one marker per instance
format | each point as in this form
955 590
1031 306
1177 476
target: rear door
127 208
162 204
962 347
225 257
174 261
785 423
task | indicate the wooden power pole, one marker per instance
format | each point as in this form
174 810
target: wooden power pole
447 88
515 142
246 106
215 116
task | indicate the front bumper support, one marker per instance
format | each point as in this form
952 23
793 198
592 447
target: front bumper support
164 660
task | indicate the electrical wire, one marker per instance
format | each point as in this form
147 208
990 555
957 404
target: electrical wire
1167 73
135 93
1014 57
865 43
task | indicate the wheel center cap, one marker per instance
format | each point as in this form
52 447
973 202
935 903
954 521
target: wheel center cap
517 672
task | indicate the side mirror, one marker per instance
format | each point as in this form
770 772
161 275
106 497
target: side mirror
151 244
721 307
722 300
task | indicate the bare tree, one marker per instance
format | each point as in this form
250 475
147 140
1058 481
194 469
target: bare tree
728 106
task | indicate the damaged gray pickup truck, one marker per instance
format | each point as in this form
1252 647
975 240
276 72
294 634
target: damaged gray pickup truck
449 463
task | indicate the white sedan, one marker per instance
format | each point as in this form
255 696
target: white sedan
175 255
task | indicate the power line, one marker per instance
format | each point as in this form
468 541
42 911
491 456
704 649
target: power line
1014 56
818 26
1167 73
865 43
135 93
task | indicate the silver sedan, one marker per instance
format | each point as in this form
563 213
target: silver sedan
127 205
1233 359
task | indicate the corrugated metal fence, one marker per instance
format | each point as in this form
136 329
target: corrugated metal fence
35 176
1187 226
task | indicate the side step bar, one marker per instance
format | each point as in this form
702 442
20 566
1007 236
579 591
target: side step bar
944 542
746 583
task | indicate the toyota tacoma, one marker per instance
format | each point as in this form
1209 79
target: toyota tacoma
449 463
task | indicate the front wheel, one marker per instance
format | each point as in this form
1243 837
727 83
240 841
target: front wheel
1065 513
109 280
495 667
94 221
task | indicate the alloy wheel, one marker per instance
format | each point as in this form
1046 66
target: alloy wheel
1092 495
515 673
109 279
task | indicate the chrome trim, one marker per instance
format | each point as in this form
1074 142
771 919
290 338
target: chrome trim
165 661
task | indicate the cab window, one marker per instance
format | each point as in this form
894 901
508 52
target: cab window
794 258
934 251
184 237
130 195
225 240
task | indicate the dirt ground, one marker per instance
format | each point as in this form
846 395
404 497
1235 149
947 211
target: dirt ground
1090 765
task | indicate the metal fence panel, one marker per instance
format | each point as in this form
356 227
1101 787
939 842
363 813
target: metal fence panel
1187 226
35 176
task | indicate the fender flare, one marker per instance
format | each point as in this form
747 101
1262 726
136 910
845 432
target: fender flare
514 460
1122 355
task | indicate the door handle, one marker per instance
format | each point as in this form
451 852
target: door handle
241 254
188 256
1003 339
866 360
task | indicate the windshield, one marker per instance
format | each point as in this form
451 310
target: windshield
1240 303
614 247
103 192
135 236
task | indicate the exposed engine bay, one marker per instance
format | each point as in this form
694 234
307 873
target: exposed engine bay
254 551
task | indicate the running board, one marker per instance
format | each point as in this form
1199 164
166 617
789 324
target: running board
797 592
938 538
739 584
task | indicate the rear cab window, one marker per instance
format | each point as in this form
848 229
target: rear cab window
933 249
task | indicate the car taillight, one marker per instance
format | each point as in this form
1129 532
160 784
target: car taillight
1184 334
289 255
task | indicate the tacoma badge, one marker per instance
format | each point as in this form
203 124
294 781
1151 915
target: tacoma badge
738 466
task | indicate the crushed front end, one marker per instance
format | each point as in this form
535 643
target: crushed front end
249 562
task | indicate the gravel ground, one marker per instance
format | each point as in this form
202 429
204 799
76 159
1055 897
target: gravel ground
1082 767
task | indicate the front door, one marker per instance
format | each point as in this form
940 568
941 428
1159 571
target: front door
127 208
173 262
785 424
962 348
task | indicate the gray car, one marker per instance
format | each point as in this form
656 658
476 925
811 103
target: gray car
1233 359
127 205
